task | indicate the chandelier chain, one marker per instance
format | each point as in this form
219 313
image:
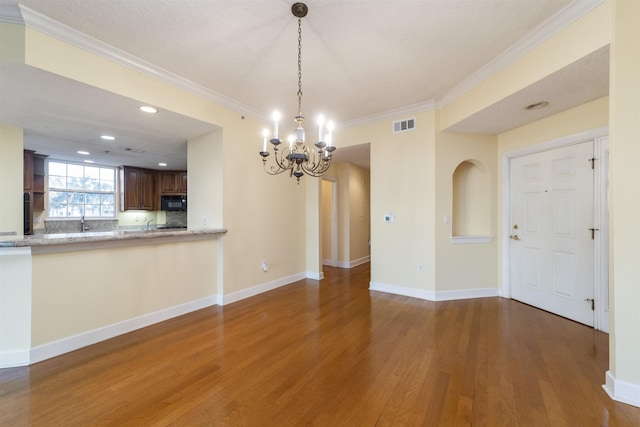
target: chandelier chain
299 66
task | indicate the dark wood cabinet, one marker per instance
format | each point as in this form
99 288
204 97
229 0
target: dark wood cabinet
38 182
34 185
173 183
137 188
28 169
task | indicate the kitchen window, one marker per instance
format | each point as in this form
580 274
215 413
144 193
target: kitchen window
77 190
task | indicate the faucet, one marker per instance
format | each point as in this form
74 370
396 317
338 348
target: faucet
149 222
83 226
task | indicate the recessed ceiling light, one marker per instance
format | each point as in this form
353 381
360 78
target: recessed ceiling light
88 161
85 153
148 109
108 137
537 105
162 164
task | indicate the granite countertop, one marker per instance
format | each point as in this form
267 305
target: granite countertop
108 236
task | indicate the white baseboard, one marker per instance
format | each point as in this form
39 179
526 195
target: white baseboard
14 358
258 289
315 276
65 345
354 263
622 391
434 295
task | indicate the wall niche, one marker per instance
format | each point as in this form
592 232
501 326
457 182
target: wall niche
471 219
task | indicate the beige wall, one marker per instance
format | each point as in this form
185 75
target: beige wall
625 198
465 266
77 292
402 183
11 180
359 213
327 206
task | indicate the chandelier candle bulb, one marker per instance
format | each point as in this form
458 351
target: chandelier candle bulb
329 136
320 124
276 119
265 134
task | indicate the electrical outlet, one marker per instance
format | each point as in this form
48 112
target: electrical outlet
265 266
420 267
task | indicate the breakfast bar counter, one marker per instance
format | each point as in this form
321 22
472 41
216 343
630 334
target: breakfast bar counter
101 238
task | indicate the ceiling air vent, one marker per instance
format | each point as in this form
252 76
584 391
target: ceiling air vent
404 125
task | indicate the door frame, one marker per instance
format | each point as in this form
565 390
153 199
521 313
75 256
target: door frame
597 135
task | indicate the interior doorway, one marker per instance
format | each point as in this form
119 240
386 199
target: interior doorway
329 222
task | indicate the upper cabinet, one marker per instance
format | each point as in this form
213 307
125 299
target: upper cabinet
34 175
28 169
137 188
173 182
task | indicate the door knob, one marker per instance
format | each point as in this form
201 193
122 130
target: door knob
514 237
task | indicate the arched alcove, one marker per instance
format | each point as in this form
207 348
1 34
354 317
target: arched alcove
471 200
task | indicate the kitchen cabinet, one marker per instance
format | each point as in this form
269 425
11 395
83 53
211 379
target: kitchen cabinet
137 188
173 183
28 169
37 202
33 183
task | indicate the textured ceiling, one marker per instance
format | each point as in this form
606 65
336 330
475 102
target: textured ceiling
360 58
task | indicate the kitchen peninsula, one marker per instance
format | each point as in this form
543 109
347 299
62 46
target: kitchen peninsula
61 292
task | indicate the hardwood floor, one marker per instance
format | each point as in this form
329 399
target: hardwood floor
329 353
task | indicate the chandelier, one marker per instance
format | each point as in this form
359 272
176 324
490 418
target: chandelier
298 158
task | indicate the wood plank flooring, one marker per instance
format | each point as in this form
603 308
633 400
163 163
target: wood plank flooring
329 353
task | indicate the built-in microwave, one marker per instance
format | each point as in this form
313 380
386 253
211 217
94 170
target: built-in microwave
173 203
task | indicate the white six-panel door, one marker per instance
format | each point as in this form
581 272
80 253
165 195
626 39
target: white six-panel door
551 242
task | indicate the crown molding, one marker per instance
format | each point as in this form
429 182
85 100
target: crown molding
546 30
10 13
391 114
51 27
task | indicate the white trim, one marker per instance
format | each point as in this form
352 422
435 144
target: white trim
315 276
354 263
51 27
546 30
22 250
14 358
621 391
10 13
390 114
471 239
65 345
601 244
258 289
434 296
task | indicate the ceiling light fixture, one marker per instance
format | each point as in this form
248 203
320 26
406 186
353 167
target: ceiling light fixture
108 137
88 161
148 109
537 105
162 164
298 158
84 153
